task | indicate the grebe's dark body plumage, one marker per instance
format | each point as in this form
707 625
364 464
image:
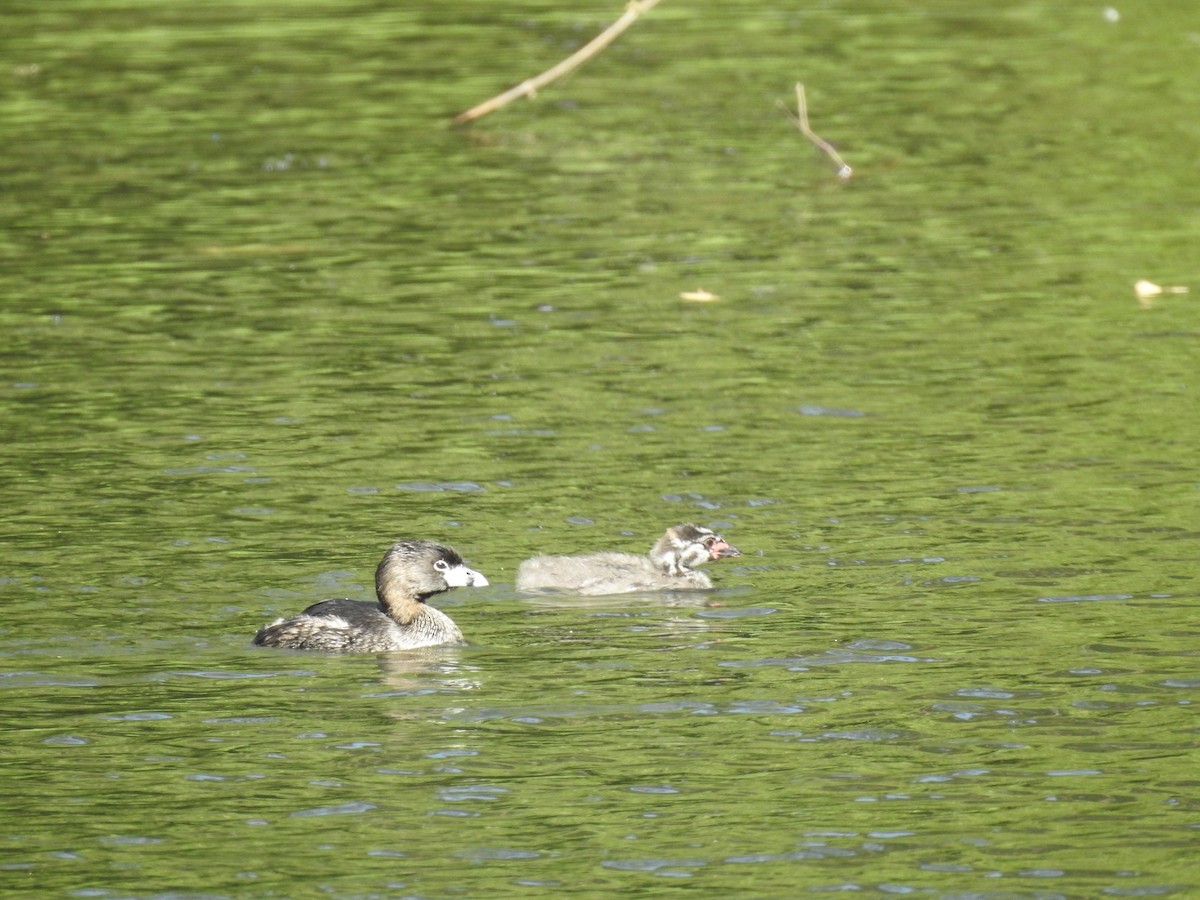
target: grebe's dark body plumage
410 573
671 565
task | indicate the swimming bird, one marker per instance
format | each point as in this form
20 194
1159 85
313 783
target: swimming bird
671 565
411 572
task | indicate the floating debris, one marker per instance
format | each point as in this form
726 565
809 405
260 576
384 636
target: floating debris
1146 291
531 86
800 120
699 295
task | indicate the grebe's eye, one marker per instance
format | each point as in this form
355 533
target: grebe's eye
709 541
442 566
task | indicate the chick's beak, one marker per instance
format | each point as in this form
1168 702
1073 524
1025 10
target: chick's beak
721 549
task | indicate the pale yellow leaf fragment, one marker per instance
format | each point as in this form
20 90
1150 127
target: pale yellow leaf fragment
1146 291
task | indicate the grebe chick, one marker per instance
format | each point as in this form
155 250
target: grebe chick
410 573
670 565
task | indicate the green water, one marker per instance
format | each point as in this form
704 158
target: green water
264 310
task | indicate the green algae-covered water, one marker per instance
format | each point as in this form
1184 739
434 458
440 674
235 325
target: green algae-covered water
265 310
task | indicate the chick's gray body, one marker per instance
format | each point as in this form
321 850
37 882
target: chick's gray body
670 565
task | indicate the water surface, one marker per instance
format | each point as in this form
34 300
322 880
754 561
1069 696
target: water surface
265 310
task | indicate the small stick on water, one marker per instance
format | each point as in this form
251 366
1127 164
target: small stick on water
583 54
800 120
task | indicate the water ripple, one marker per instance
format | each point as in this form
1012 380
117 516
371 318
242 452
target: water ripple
1084 598
471 792
652 864
354 807
826 658
813 410
461 487
748 612
483 854
871 735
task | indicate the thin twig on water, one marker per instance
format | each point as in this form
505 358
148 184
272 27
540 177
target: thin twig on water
800 120
583 54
